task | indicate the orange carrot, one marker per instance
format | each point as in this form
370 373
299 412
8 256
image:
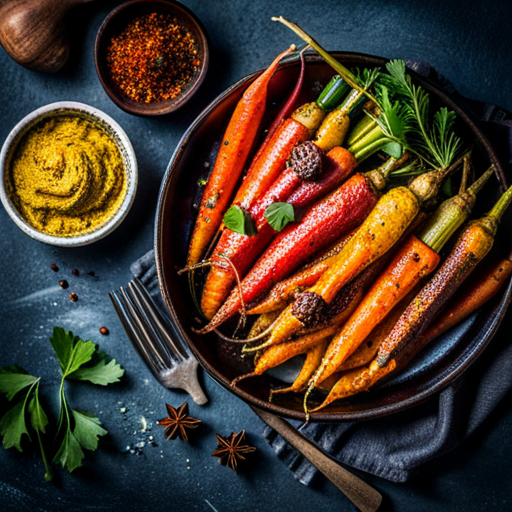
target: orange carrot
313 359
417 258
285 290
237 143
473 244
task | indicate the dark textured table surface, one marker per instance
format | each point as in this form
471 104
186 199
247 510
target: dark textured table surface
468 42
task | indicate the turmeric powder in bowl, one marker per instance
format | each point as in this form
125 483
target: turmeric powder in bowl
66 176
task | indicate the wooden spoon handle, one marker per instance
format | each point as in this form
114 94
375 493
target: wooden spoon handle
362 495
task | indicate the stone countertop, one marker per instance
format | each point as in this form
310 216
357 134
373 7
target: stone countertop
468 42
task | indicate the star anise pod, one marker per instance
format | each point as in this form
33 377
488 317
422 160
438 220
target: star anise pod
178 421
230 449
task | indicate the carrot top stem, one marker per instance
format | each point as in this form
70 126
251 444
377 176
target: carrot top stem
452 214
499 208
379 176
347 75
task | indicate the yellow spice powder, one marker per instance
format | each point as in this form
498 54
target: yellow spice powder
66 176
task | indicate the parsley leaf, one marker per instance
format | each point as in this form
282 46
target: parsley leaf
13 426
100 371
239 221
87 430
14 379
279 215
79 360
69 454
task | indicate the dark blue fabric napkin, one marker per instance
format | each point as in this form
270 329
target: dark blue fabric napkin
394 447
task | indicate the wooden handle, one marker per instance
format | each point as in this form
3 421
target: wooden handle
363 496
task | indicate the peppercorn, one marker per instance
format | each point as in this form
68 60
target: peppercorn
73 297
153 59
75 272
104 331
63 284
54 267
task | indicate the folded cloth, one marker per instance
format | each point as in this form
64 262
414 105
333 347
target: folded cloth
394 447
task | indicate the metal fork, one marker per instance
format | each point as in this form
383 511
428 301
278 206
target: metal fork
170 361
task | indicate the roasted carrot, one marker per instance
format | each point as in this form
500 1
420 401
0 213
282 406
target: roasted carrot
313 359
417 258
356 381
243 250
285 290
468 299
473 244
340 212
471 296
237 143
383 227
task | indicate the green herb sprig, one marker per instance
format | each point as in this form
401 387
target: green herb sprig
279 215
79 360
433 140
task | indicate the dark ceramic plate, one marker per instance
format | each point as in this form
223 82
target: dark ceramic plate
434 369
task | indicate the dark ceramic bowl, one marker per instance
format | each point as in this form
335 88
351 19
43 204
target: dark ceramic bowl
435 368
116 21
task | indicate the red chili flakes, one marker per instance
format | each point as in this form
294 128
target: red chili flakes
73 297
153 59
104 331
54 267
63 284
75 272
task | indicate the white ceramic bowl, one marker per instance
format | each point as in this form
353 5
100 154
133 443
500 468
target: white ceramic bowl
119 137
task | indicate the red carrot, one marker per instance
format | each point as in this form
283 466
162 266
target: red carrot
328 220
243 250
237 143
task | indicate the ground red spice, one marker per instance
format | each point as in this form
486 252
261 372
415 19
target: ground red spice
153 58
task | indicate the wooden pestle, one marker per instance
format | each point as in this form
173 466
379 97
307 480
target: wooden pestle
32 32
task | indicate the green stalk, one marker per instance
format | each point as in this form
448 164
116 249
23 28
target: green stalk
332 94
361 129
499 208
48 476
367 145
452 214
347 75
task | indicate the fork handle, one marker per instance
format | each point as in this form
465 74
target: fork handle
362 495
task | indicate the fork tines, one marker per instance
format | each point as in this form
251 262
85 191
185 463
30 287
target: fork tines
171 362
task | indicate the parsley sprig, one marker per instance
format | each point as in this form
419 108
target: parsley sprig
79 360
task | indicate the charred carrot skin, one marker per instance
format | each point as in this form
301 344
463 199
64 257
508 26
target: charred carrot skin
338 213
234 150
243 250
472 246
474 294
410 265
467 300
285 290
